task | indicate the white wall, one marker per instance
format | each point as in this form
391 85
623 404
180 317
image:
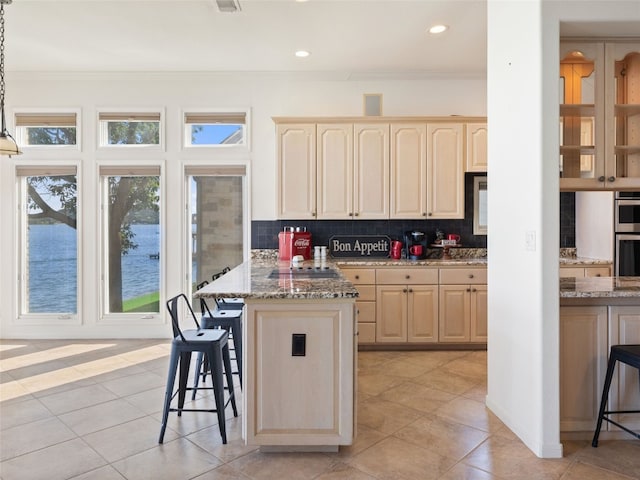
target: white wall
522 86
266 95
594 225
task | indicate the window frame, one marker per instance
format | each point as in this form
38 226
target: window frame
21 261
20 139
103 134
245 146
132 168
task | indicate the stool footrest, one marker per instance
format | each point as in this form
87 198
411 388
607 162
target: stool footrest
635 434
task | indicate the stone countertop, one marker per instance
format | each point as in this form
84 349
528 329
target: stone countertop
427 262
254 279
600 287
578 261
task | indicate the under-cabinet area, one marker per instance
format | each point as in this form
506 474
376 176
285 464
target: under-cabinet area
421 305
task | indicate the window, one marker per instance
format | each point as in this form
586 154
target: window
130 128
131 238
46 129
214 129
217 219
49 240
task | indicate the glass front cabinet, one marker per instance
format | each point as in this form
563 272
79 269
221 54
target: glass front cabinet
600 116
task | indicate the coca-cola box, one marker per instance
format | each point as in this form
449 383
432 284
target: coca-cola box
291 244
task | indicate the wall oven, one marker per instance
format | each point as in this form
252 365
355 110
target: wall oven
627 234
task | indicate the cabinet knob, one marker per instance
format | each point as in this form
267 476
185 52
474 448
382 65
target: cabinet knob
314 214
407 277
350 214
601 178
473 289
356 214
471 275
424 214
411 290
404 290
598 275
357 277
611 179
429 214
468 289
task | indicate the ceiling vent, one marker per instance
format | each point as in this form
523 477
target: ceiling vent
228 6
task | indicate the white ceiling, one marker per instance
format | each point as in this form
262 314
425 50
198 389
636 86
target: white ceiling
354 37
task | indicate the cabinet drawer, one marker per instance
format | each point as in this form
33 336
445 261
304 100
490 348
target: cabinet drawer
366 312
597 272
566 272
463 276
367 293
359 276
407 276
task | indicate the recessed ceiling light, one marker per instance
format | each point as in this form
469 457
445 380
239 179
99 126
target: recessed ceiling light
302 54
438 29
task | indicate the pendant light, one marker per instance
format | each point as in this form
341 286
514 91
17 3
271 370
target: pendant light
8 145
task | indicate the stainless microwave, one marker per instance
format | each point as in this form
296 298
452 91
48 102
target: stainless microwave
627 216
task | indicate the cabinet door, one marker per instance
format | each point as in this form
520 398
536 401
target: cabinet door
391 313
583 364
624 394
422 313
296 171
455 311
445 171
478 305
622 115
335 171
371 171
408 170
476 144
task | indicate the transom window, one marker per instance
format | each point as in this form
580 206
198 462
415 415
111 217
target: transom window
130 128
46 129
214 129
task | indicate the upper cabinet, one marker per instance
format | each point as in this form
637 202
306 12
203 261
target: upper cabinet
371 169
600 116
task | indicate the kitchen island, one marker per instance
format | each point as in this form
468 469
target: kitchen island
596 313
299 353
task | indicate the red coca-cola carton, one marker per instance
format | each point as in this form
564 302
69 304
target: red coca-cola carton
294 241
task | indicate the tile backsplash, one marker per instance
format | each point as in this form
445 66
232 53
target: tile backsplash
264 234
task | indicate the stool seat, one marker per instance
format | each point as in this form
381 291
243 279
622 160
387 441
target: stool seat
629 355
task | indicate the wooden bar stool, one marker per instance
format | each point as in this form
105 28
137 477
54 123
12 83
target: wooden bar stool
212 343
627 354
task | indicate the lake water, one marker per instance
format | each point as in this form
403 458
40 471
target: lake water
53 272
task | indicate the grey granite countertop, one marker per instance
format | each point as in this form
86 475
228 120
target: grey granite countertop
428 262
600 287
577 261
271 279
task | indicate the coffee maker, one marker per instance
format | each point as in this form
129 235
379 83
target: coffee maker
415 244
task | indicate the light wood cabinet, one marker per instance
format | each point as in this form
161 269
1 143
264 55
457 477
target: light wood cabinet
408 170
407 305
476 142
445 171
334 171
583 364
624 394
371 177
296 171
588 271
463 305
600 115
364 280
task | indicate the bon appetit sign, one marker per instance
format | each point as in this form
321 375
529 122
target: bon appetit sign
342 246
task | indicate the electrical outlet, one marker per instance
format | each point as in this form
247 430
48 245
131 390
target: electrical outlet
530 241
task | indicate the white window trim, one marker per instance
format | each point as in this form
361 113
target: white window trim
102 134
186 143
59 148
139 318
22 318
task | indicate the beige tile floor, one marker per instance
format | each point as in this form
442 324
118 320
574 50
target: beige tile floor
91 410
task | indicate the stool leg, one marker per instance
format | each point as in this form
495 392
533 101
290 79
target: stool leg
215 359
196 377
603 402
226 358
185 361
237 343
173 367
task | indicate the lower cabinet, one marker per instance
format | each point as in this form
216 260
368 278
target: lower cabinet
586 336
590 271
463 313
364 280
407 305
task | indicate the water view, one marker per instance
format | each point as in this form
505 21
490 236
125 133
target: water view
53 266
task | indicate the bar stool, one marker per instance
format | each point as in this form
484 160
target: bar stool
219 318
630 355
214 344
